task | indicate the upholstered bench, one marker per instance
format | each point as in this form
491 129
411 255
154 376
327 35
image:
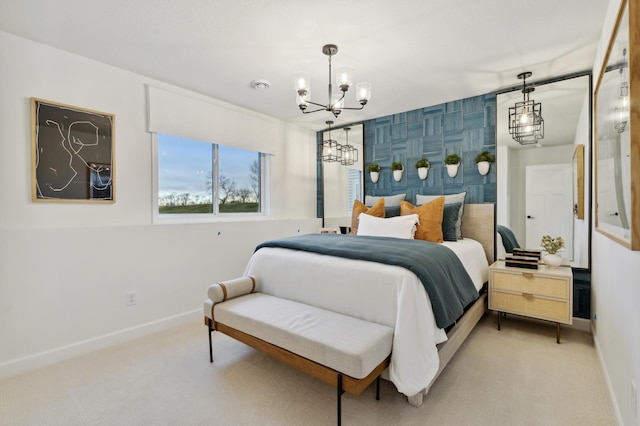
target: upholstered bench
347 352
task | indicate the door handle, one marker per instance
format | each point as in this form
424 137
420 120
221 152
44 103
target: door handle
529 217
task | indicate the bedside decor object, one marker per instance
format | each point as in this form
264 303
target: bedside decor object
335 103
483 161
526 125
552 246
452 162
72 153
397 167
616 138
423 168
374 172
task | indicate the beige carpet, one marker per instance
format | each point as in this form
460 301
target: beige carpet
517 376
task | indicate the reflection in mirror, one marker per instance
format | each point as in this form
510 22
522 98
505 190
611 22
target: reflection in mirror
535 188
342 183
613 162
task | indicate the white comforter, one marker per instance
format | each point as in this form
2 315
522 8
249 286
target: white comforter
385 294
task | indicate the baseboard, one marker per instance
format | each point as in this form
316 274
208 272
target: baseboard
582 324
63 353
612 395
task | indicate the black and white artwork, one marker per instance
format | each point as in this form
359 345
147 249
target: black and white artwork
72 151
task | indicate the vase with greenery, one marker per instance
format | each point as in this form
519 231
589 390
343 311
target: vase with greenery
552 246
423 168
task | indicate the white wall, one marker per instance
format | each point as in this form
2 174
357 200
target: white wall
518 161
615 296
65 267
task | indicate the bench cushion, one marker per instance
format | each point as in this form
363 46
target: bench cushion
346 344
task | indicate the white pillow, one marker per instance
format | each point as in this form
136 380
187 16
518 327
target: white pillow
396 227
389 200
448 199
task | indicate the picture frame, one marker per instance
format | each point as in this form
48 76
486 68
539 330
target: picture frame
617 132
72 153
578 181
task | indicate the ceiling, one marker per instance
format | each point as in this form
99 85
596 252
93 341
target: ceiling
415 53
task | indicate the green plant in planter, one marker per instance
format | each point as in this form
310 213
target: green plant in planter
485 156
452 159
423 162
396 165
373 167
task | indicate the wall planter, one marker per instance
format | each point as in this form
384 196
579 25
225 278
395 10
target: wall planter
483 167
397 168
452 162
374 172
423 168
483 161
423 172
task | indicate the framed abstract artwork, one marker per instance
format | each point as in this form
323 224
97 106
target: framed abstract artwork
72 153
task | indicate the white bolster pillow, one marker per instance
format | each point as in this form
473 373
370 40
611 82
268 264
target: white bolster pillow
226 290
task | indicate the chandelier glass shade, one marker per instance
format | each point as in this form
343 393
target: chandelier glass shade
526 125
335 101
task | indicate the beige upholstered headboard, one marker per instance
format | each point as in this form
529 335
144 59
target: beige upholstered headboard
478 223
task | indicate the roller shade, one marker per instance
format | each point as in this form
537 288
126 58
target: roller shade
181 115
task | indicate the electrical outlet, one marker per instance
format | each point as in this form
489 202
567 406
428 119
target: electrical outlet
634 400
131 298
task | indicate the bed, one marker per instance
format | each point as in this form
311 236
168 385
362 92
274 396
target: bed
387 294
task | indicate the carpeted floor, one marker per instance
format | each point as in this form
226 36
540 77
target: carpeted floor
517 376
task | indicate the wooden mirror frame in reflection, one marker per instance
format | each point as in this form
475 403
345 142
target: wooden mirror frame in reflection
617 133
565 100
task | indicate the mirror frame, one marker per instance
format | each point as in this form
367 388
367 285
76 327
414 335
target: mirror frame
629 9
590 146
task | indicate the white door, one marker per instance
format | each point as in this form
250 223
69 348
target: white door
548 209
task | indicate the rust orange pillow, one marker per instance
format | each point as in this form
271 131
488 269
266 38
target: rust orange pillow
430 215
376 210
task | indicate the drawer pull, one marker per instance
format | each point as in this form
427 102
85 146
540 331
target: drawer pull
527 275
527 295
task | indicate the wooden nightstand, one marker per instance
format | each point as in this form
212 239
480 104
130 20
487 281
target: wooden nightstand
544 293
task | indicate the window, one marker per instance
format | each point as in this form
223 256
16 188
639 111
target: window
205 178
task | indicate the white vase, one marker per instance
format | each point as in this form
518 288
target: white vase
374 176
452 169
423 172
483 167
397 175
552 260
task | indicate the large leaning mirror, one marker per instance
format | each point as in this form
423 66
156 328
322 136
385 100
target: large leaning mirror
536 185
341 181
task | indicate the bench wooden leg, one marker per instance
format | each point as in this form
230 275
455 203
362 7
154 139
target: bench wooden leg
378 388
210 344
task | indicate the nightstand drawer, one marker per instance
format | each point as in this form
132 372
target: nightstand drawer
530 305
527 282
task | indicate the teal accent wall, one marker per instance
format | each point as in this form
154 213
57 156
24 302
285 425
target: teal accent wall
464 127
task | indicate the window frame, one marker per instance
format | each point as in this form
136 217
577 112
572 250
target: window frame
215 216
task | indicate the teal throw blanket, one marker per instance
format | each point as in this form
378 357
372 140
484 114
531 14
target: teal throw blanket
442 274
